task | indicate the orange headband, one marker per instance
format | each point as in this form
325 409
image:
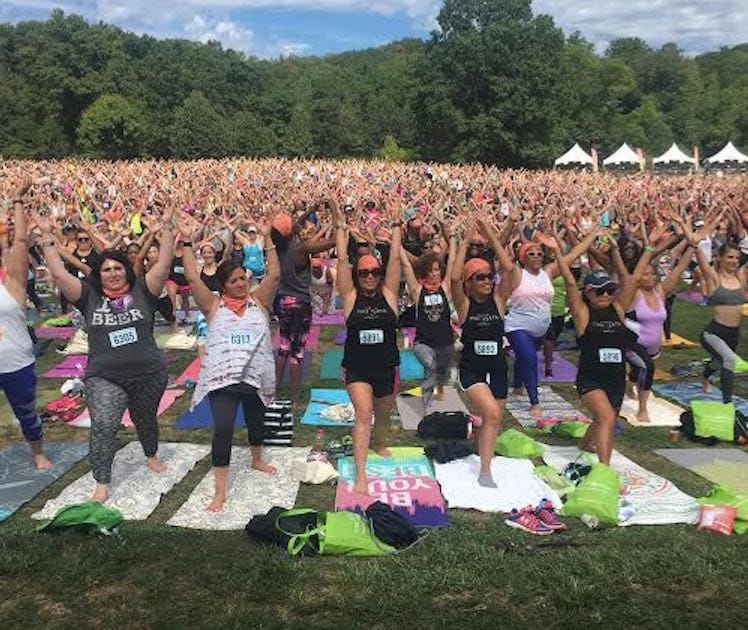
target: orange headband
525 248
474 266
367 261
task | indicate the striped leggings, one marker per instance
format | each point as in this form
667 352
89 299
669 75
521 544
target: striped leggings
107 402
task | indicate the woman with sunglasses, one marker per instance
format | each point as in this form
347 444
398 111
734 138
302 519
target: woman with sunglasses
370 358
603 342
125 368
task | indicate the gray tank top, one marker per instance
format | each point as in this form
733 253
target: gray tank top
295 281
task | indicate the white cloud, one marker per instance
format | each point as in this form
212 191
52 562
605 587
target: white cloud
230 34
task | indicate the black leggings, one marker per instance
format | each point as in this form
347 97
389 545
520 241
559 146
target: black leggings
32 294
224 403
642 367
721 342
166 308
667 327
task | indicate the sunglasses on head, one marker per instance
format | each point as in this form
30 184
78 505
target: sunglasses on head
375 272
482 277
608 289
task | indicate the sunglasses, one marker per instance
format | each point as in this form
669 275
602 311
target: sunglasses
534 254
374 272
482 277
85 239
608 289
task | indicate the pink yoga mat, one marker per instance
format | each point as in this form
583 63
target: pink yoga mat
329 320
73 366
167 400
191 372
53 332
312 340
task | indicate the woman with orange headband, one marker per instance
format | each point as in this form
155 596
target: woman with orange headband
371 357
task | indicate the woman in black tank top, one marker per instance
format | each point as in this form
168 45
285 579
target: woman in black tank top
429 288
371 356
480 310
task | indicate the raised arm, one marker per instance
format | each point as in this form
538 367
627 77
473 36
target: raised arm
458 292
683 251
410 277
206 300
344 273
157 275
579 310
392 274
17 260
265 292
70 286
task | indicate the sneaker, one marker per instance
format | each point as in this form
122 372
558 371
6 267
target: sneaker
527 521
547 515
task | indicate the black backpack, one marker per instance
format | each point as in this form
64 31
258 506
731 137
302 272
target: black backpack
390 527
444 425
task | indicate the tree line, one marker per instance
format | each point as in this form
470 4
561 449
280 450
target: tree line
495 84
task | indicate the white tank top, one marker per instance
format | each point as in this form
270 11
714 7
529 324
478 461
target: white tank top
238 350
16 348
530 307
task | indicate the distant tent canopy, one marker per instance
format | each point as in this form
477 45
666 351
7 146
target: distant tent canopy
625 159
576 157
728 159
673 161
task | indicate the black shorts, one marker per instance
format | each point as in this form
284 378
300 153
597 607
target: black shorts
496 381
556 328
384 382
615 391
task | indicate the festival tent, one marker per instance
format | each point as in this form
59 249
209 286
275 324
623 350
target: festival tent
673 160
624 159
729 158
576 156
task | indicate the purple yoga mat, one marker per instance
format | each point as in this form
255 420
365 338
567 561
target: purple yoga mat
53 332
564 371
329 320
340 336
68 368
688 296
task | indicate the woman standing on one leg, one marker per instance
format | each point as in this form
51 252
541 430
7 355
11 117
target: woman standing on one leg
371 357
238 366
17 369
434 344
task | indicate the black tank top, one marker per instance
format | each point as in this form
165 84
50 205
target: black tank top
433 327
482 337
371 343
603 346
176 273
210 281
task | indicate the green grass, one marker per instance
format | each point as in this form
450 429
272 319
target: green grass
476 573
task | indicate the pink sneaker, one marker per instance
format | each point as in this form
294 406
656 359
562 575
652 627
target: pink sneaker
526 520
547 515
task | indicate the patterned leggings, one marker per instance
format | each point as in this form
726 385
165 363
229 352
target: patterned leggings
107 402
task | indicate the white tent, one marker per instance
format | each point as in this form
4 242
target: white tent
575 155
674 156
623 157
728 154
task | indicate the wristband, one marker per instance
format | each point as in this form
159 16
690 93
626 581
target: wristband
15 201
267 249
650 248
397 224
186 243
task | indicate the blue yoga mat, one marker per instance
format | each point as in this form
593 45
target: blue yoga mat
201 417
20 481
313 411
410 368
684 393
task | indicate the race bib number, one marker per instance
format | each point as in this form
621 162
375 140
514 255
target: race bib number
123 337
370 337
241 339
179 270
434 299
486 348
610 355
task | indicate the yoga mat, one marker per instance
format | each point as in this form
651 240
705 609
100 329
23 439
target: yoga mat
73 366
318 398
409 333
662 375
405 481
312 340
52 332
191 373
334 319
685 392
135 490
20 481
517 485
410 367
553 405
83 420
340 336
662 413
649 498
564 371
689 296
201 417
410 406
180 340
249 492
727 466
77 345
677 342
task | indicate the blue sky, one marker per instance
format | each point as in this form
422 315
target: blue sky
270 28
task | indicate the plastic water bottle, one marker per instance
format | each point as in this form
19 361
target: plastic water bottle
318 448
590 521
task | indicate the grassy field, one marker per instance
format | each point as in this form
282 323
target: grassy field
476 573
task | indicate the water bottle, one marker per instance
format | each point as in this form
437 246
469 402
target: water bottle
318 448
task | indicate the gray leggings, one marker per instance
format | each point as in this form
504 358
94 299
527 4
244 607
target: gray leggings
107 402
436 363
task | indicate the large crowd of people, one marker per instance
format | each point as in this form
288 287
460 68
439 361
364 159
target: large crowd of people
497 257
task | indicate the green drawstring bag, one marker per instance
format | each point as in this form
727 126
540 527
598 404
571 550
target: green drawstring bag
597 495
713 419
306 541
91 516
571 429
557 482
349 534
512 443
724 495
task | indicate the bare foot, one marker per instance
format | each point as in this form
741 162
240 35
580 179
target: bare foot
155 465
42 463
361 487
630 390
382 451
264 467
643 416
518 391
536 411
216 504
439 393
101 494
706 385
173 327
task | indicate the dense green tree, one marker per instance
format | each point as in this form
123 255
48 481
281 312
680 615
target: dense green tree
112 127
197 129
